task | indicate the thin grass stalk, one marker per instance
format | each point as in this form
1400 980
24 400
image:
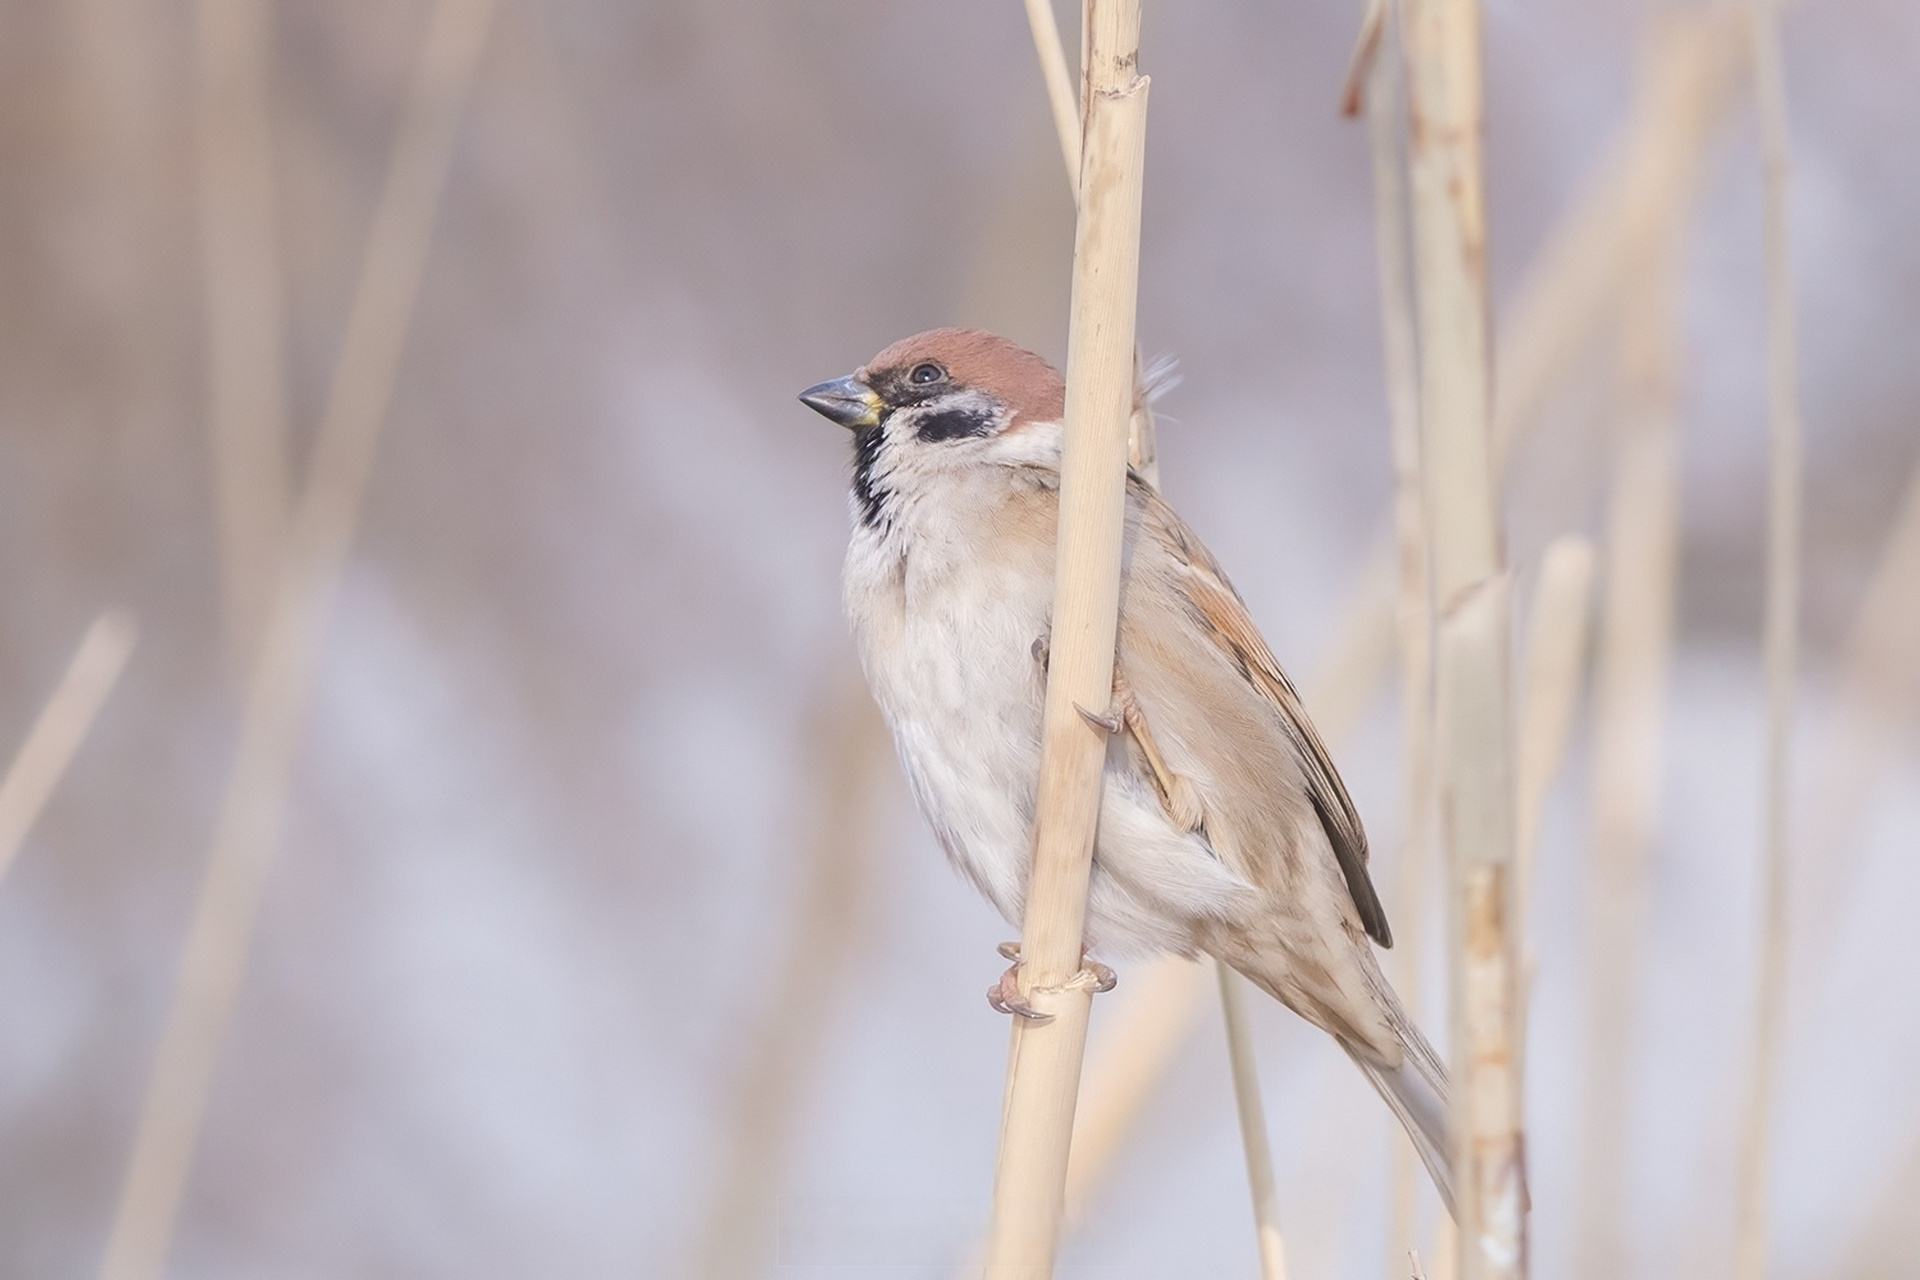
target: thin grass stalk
1253 1125
1635 658
284 671
1385 110
1061 97
1474 731
1555 658
1688 80
1143 445
1878 687
61 727
1781 639
1882 1247
240 263
854 755
1044 1071
1566 297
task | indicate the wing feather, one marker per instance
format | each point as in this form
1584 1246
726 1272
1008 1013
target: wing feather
1223 616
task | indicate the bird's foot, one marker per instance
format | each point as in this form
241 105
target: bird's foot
1005 995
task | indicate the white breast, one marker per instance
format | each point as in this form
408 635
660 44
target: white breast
945 616
947 640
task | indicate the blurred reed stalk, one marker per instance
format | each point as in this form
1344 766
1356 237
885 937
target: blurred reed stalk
1879 685
1253 1125
1060 95
1375 85
61 727
1553 661
284 670
1635 196
854 755
1635 657
1879 680
1473 738
1553 665
1566 301
1043 1073
1882 1249
1781 639
243 299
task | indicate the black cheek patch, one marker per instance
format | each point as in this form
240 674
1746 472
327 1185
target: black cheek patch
955 424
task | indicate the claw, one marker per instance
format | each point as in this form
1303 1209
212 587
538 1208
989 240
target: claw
1109 724
1041 651
1004 997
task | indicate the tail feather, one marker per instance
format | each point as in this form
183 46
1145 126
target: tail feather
1416 1092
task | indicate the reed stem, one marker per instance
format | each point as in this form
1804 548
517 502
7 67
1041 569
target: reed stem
1781 639
1044 1070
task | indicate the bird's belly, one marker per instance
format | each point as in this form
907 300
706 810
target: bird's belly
956 676
957 680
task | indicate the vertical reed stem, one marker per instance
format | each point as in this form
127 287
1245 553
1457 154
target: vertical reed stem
1474 737
1253 1126
1781 640
1385 110
1635 653
240 261
1044 1071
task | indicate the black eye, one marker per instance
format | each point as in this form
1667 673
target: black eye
926 373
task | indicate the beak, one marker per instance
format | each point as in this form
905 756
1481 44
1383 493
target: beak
848 401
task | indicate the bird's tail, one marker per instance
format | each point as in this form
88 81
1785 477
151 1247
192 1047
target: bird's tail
1416 1092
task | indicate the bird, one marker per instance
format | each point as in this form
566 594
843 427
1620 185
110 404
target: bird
1224 827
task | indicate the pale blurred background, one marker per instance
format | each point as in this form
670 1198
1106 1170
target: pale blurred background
585 685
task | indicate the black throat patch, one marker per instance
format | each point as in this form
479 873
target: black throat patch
866 453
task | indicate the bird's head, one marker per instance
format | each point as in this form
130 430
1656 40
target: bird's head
940 402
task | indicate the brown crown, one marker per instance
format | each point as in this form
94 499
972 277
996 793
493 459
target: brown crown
1031 387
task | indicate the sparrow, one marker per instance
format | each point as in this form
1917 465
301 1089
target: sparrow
1224 827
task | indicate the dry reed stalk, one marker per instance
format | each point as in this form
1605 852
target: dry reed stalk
240 260
1060 95
1253 1125
61 727
1473 729
1630 691
1555 657
1380 51
854 754
285 667
1878 687
1044 1068
1781 640
1154 1013
1143 448
1882 1249
1143 457
1476 805
1640 192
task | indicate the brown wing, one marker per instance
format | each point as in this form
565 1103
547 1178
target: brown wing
1222 615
